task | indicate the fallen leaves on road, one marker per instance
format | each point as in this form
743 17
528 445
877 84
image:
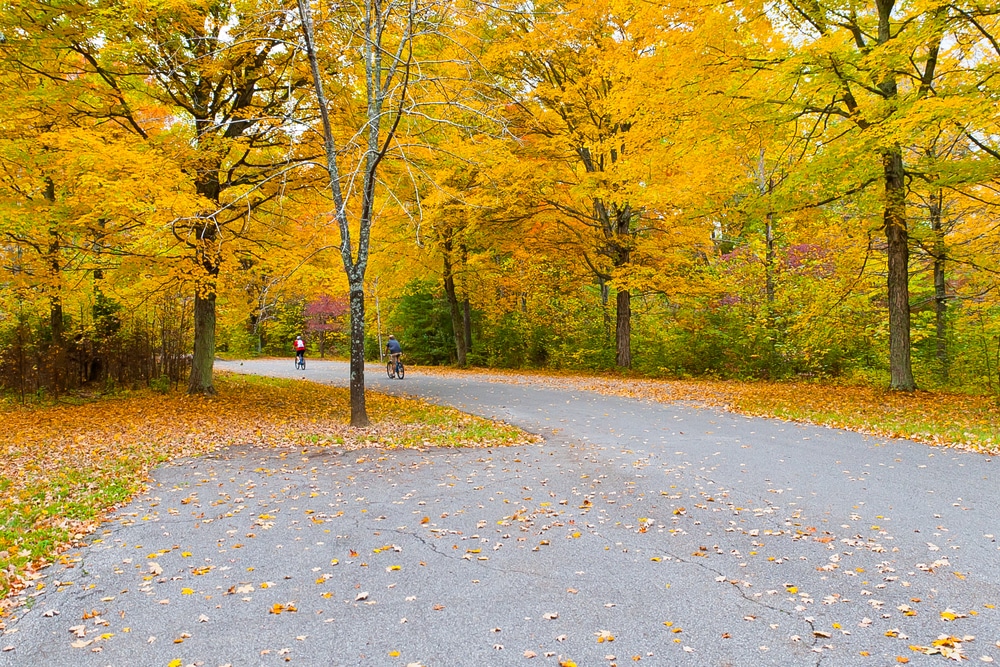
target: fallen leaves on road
63 466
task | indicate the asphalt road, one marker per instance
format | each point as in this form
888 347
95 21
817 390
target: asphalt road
663 534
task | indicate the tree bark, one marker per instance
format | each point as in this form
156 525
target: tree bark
457 324
623 330
203 359
359 412
900 370
57 356
58 344
622 252
208 261
896 234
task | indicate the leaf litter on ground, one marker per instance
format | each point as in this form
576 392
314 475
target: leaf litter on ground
63 466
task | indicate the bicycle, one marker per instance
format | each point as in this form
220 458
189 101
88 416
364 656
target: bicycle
300 361
395 369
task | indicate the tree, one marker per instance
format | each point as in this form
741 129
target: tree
83 186
409 75
321 316
876 73
226 67
614 119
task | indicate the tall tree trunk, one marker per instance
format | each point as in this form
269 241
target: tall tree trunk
605 312
58 354
900 370
359 411
208 261
202 362
58 344
466 307
623 330
453 307
203 359
940 293
623 257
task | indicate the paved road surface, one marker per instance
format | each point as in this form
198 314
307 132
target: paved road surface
689 536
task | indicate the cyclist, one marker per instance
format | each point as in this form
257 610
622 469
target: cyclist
394 349
300 351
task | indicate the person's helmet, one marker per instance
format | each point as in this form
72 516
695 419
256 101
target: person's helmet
392 337
298 338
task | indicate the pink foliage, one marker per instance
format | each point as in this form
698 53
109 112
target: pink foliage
323 312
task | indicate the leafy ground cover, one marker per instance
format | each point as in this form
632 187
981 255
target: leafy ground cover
64 466
938 418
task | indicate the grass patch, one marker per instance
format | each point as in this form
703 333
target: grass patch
63 466
938 418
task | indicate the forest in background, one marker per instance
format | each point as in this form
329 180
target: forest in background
749 189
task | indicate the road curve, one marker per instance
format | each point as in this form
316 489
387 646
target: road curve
638 531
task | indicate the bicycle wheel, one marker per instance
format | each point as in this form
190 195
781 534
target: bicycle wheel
400 371
390 370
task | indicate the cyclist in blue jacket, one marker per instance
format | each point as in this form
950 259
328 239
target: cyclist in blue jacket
394 349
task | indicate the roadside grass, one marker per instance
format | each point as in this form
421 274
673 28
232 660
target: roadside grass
934 417
63 466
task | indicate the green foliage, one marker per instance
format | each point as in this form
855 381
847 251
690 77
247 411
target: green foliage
160 384
289 322
421 322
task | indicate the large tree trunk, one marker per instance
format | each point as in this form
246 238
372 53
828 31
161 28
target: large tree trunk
203 359
57 357
56 322
457 323
466 306
359 412
207 259
623 330
622 239
900 371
